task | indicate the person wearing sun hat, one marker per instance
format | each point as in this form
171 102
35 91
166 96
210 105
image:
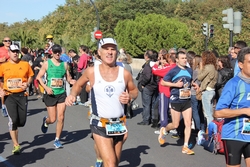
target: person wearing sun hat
111 88
17 78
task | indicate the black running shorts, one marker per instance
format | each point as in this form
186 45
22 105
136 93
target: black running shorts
102 132
234 149
180 107
52 100
16 105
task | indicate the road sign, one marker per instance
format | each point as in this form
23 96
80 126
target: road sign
98 34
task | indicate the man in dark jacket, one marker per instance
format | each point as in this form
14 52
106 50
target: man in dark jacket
37 64
30 59
148 86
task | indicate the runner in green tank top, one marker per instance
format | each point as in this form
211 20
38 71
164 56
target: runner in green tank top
55 93
55 75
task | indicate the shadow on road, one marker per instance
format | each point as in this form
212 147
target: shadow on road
132 156
32 99
5 136
38 140
25 158
137 111
35 111
73 136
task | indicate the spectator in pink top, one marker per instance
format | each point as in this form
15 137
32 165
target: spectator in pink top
83 61
4 56
81 66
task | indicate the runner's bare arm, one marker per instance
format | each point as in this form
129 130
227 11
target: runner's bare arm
131 87
230 113
41 73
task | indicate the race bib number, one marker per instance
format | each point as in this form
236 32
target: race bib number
184 93
12 84
115 128
56 83
246 126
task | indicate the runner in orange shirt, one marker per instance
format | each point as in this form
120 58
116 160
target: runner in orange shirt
17 77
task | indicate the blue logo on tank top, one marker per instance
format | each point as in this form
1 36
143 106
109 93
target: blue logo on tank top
109 90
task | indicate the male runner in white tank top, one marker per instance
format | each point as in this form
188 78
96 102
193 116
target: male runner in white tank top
108 84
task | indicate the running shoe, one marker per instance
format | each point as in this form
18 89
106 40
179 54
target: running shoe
80 103
174 131
157 132
135 106
87 103
200 137
162 136
186 150
98 164
43 127
175 136
16 150
57 144
4 112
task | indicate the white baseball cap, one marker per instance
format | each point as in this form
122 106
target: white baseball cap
105 41
14 47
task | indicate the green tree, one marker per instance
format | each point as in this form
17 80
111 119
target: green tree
152 31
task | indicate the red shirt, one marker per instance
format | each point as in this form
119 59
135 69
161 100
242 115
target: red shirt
4 53
82 64
161 72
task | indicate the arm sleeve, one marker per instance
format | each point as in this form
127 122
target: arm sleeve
202 73
160 72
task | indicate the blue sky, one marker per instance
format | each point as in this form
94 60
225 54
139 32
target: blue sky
17 10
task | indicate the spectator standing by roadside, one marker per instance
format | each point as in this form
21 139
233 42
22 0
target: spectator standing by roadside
208 76
4 56
65 58
74 60
82 65
225 72
28 58
197 112
37 66
148 86
237 47
161 68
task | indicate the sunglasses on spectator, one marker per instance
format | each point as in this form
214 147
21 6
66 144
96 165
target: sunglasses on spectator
236 47
6 40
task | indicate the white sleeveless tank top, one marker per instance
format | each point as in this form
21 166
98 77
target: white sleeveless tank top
105 95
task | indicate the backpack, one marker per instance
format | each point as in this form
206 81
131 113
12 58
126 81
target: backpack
218 145
214 144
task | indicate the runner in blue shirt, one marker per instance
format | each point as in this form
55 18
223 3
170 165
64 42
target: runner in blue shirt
179 80
233 105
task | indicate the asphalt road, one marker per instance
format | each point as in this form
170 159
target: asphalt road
140 150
